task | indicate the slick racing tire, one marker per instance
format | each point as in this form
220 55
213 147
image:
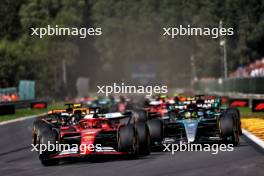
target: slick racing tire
48 137
229 129
155 127
38 127
34 133
128 140
143 138
236 114
140 115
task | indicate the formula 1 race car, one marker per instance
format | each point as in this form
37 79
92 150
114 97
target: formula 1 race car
159 106
92 134
190 119
110 104
203 121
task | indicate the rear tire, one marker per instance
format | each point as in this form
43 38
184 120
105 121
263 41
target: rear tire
143 138
128 140
140 115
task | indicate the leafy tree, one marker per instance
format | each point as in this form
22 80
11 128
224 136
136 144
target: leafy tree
132 32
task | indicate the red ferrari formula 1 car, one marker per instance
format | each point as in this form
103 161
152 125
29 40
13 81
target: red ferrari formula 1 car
158 108
92 134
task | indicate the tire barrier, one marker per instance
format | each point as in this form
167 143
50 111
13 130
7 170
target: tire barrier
239 85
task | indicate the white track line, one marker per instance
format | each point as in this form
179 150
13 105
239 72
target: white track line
254 138
20 119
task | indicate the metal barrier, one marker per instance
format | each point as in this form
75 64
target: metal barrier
241 85
25 103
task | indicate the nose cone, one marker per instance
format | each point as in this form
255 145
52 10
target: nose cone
190 129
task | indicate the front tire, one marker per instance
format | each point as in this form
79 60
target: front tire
48 137
155 127
140 116
229 129
236 115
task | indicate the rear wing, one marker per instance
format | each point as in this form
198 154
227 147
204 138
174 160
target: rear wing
73 105
56 111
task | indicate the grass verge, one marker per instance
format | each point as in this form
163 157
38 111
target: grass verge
29 112
246 112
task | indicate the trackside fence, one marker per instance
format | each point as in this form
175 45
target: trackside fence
239 85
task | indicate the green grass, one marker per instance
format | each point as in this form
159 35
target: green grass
246 112
28 112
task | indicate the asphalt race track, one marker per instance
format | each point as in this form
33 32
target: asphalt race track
17 159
